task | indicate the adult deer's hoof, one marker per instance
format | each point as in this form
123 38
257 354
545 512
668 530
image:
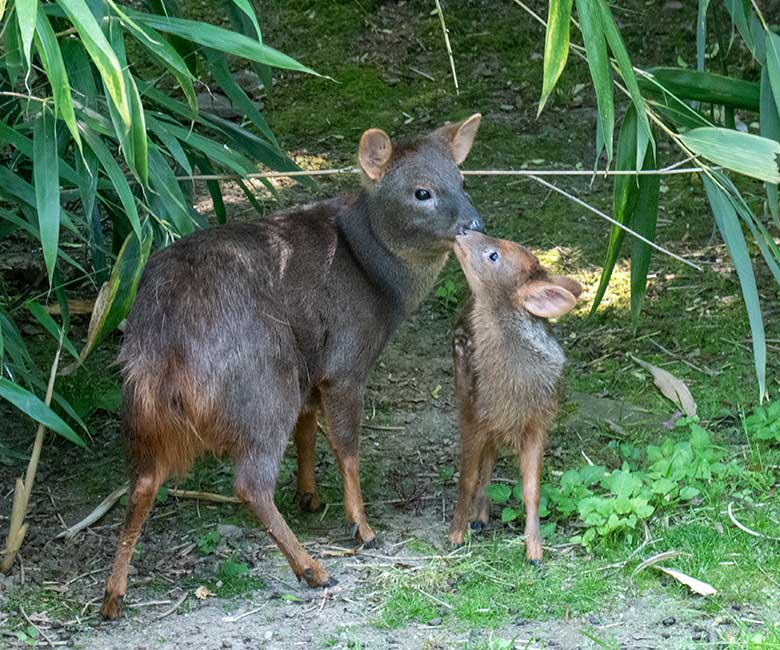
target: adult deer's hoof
111 609
317 576
477 526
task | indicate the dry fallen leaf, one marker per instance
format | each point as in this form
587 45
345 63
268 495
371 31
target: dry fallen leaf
695 585
101 303
655 559
203 592
671 387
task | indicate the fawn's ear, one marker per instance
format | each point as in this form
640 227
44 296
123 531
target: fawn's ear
374 153
460 136
545 299
570 284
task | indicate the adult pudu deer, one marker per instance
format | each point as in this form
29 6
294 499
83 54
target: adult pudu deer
240 333
507 370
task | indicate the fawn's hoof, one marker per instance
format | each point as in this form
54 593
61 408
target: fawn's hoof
363 536
318 577
111 609
457 539
310 502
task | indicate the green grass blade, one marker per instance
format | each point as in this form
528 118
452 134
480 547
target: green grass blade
221 39
101 54
589 13
626 191
26 15
47 187
556 46
744 153
53 64
705 87
618 47
33 407
770 128
728 225
645 222
117 178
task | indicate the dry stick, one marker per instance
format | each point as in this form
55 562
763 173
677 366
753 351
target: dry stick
744 528
174 607
614 222
448 46
18 528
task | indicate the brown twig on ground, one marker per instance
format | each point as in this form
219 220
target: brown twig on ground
18 527
174 607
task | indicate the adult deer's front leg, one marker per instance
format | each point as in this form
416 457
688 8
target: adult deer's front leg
343 409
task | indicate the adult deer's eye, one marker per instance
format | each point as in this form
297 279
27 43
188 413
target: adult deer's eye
493 257
422 194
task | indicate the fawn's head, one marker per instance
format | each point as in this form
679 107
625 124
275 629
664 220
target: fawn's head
415 191
506 273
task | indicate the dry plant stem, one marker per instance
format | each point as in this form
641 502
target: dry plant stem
18 528
744 528
448 46
601 214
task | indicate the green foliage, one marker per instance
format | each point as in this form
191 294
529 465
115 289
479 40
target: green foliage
83 84
447 294
764 423
208 542
612 505
696 109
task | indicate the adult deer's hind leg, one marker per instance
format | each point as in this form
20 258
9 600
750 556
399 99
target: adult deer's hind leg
305 446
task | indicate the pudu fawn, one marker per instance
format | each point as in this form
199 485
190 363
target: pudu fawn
240 333
507 370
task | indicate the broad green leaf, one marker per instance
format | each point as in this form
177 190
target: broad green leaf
498 492
163 52
706 87
26 12
728 224
48 323
117 295
509 514
624 200
33 407
615 42
644 222
47 187
220 70
745 153
736 9
100 52
244 6
773 65
114 172
220 39
51 57
589 12
556 46
12 42
770 128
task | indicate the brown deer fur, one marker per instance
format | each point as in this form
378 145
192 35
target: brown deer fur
240 333
507 370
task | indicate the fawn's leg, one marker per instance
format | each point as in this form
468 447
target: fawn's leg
305 447
531 455
343 408
472 440
487 463
143 489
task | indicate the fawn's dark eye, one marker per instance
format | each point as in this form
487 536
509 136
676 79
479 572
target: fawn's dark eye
493 257
422 194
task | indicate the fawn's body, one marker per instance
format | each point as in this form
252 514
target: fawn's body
239 334
507 370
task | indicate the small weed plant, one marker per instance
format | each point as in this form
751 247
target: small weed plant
610 505
763 425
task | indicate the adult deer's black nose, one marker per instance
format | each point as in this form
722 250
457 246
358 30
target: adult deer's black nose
475 224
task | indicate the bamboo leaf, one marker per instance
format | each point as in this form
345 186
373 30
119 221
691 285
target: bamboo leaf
728 225
221 39
770 128
101 53
26 12
598 63
625 195
244 6
736 9
166 187
48 323
773 65
47 187
12 41
645 221
33 407
51 57
745 153
705 87
701 33
556 46
673 388
171 143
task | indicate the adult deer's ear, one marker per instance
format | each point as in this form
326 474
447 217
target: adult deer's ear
374 153
545 299
570 284
459 136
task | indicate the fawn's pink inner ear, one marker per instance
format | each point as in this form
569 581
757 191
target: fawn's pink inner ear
374 153
547 300
570 284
